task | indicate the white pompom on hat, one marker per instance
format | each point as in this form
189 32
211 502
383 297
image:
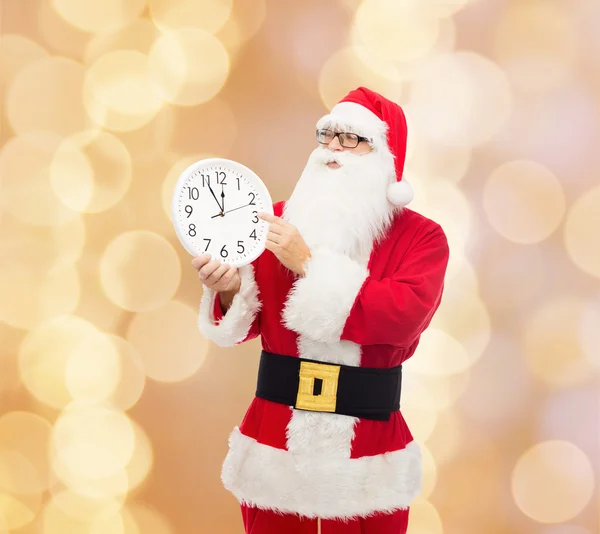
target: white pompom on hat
400 193
371 115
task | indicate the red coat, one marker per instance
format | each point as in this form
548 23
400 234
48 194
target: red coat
321 464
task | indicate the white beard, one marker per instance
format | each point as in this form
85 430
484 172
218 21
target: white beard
344 209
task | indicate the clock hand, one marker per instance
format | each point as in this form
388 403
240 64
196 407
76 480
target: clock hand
229 211
214 196
222 197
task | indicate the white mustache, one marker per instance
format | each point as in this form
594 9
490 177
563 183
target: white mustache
325 156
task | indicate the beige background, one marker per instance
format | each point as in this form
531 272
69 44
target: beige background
115 412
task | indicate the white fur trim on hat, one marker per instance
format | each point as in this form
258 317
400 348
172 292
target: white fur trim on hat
400 193
357 119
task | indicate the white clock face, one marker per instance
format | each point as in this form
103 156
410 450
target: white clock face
215 207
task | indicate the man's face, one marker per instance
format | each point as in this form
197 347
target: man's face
334 143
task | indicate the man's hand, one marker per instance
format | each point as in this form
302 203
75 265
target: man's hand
285 241
220 277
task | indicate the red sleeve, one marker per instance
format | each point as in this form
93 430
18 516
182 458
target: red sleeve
397 309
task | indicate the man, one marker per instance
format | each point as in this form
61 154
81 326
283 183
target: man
348 283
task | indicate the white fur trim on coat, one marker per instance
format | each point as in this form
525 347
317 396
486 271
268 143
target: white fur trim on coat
319 304
236 323
321 486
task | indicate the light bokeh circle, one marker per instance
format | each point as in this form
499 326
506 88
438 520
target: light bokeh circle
91 171
536 44
93 440
581 232
589 333
140 270
207 15
32 296
345 70
446 203
439 8
139 36
16 52
58 107
430 473
447 439
554 350
18 475
472 328
472 104
25 188
99 15
169 341
18 511
439 354
396 31
113 486
188 66
142 459
28 434
118 92
132 377
524 201
84 507
150 520
424 517
56 520
67 358
552 481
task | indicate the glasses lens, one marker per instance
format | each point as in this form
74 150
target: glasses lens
349 140
324 136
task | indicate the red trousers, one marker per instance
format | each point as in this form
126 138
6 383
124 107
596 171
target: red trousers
257 521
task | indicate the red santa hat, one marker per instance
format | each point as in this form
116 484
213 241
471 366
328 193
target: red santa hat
371 115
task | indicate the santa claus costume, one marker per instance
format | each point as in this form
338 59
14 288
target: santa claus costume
324 440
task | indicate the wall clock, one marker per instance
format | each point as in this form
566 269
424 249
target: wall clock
214 210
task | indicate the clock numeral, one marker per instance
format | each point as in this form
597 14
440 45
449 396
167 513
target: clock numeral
241 245
194 193
208 245
253 234
238 183
255 217
192 230
252 201
205 180
224 252
223 177
188 210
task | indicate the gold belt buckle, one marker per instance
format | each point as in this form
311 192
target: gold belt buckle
325 401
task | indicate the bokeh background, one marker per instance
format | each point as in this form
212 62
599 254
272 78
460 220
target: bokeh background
115 411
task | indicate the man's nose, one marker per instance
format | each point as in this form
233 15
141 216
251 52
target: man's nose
334 144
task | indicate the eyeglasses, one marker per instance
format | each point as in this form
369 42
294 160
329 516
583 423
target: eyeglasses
347 140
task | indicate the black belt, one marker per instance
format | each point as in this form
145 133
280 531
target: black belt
310 385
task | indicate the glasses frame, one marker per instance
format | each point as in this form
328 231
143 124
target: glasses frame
360 138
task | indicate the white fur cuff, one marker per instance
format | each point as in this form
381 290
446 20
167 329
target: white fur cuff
321 486
236 323
319 304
